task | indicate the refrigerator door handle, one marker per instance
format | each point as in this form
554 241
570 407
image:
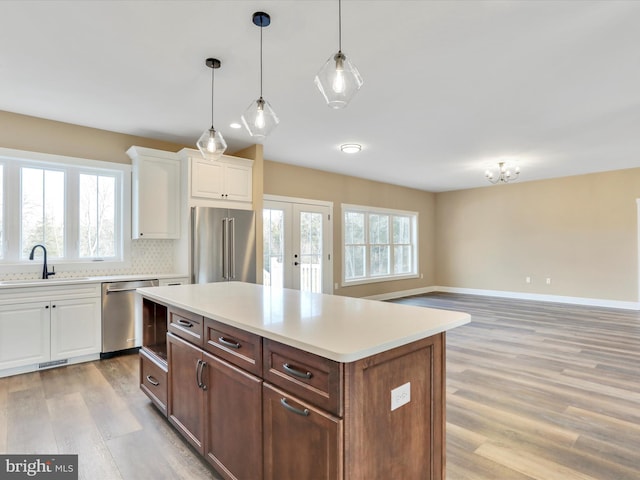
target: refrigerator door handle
225 249
232 248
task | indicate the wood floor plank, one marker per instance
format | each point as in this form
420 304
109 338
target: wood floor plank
76 433
29 428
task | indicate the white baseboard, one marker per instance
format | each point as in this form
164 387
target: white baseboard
592 302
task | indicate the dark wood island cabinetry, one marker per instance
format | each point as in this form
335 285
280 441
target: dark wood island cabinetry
260 405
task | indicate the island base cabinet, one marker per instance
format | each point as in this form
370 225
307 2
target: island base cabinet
300 440
395 413
233 408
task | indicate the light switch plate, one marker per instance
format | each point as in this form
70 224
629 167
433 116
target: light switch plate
400 396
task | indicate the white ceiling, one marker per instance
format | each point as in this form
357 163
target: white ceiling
451 87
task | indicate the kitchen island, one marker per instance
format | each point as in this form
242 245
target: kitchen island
270 383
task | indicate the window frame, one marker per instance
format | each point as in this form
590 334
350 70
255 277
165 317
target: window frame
14 160
368 211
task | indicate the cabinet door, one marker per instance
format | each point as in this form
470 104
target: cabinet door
233 420
24 334
156 198
186 397
75 328
238 183
207 179
300 441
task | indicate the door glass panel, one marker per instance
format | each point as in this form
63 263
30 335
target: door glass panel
274 243
311 252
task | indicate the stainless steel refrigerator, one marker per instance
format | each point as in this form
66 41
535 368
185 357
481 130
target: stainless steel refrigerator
223 245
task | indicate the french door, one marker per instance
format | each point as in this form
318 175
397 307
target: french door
297 245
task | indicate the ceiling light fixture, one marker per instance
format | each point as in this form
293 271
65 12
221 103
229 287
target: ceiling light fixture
504 174
259 118
338 80
350 148
235 125
211 143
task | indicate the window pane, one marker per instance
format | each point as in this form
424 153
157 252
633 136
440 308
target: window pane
42 211
354 262
402 259
401 230
378 229
380 260
1 211
97 216
273 246
311 252
353 227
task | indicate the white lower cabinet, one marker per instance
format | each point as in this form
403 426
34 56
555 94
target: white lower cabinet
74 330
24 334
47 327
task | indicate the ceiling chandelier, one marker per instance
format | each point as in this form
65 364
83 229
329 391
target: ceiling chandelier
259 118
211 143
504 174
338 80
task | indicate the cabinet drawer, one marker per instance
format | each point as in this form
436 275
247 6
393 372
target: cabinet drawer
238 347
153 380
186 325
311 377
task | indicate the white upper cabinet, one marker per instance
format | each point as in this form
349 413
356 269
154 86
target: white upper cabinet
155 193
224 182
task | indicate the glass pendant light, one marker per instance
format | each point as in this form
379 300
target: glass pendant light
259 118
211 144
338 80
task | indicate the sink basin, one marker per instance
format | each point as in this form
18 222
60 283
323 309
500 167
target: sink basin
42 281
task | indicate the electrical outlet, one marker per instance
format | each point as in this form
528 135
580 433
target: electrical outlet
335 286
527 279
548 280
400 396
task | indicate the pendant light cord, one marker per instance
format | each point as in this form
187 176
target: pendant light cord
339 26
261 27
212 80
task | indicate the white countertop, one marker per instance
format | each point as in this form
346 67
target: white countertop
339 328
53 281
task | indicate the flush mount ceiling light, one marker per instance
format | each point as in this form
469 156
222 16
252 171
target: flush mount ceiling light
211 144
350 148
338 80
503 174
259 118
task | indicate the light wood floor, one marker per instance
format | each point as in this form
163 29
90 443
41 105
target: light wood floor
535 391
541 390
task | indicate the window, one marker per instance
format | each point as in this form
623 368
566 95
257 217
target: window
74 207
379 244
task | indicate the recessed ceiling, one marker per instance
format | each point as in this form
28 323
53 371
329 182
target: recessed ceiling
450 87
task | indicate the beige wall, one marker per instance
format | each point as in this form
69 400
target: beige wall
46 136
580 231
299 182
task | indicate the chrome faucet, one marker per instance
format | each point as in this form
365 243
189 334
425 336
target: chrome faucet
45 270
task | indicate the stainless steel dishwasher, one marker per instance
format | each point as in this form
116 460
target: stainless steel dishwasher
119 315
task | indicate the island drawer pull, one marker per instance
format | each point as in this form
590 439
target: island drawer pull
229 343
184 323
304 413
296 373
152 381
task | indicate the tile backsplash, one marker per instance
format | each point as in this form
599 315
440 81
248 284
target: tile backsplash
147 256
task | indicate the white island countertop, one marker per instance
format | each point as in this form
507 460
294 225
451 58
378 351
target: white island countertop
339 328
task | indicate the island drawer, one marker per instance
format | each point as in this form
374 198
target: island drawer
239 347
186 325
153 380
312 378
